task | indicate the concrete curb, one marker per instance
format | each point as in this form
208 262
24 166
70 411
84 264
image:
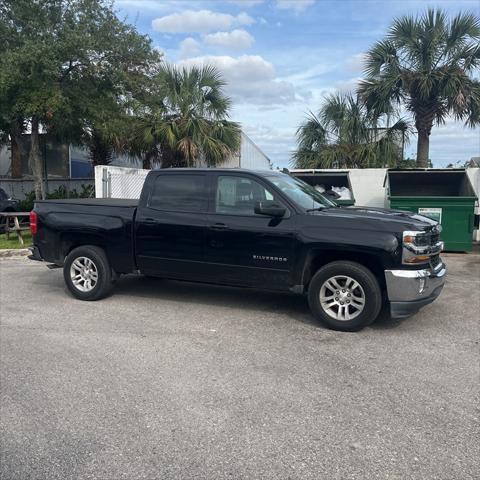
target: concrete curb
14 252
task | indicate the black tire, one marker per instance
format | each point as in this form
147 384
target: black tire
105 278
370 290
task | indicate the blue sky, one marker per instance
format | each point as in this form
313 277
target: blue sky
280 57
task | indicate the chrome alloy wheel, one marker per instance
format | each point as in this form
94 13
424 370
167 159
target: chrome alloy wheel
84 274
342 298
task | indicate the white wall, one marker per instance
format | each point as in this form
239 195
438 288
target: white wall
250 156
367 186
5 162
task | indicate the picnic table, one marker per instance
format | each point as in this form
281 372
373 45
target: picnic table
13 224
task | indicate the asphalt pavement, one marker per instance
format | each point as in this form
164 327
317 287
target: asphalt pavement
168 380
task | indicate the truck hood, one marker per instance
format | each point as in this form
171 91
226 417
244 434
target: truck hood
380 218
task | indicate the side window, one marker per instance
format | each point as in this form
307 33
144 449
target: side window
238 195
179 193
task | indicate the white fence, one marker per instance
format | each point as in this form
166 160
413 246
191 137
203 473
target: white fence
119 182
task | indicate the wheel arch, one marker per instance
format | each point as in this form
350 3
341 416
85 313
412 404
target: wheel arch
317 258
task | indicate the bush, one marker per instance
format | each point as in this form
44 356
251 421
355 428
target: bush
87 191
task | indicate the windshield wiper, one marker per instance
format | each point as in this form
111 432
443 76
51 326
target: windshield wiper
316 209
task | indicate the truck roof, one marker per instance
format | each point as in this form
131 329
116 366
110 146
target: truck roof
264 173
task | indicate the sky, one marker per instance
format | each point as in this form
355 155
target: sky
281 57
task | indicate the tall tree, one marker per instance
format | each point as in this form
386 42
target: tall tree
345 135
187 122
66 66
427 64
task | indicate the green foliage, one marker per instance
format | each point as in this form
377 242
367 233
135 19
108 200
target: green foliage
13 242
71 65
187 120
411 163
427 64
87 191
344 134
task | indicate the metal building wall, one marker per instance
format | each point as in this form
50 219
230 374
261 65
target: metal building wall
250 157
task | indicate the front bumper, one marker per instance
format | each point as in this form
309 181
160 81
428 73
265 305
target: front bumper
409 290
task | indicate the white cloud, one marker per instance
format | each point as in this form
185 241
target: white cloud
189 47
250 79
349 85
355 63
244 19
201 21
297 5
246 3
235 40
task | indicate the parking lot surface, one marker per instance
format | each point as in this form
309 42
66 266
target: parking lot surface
167 380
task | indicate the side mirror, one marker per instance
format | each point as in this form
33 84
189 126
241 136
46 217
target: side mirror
270 208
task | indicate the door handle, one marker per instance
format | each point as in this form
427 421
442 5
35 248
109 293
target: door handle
148 220
219 226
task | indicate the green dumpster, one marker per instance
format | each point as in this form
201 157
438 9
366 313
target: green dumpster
445 195
337 181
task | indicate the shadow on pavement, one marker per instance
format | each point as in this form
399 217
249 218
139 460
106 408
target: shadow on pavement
295 306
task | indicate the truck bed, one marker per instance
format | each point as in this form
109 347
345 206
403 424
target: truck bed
106 222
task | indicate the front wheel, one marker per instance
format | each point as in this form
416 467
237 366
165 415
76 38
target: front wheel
87 273
345 296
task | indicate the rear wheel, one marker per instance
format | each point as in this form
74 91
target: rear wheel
345 296
87 273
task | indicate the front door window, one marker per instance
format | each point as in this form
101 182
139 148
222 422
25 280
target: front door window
238 195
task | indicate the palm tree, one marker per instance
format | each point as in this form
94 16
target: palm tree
426 64
187 123
345 135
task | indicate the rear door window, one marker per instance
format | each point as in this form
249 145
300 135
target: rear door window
179 193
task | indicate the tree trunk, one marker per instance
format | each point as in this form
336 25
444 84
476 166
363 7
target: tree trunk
16 153
423 122
36 162
423 146
100 150
147 161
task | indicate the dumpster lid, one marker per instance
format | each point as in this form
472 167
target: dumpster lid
316 171
428 182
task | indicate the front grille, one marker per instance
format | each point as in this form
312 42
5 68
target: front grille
435 261
434 238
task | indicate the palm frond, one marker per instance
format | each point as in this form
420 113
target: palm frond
345 134
426 64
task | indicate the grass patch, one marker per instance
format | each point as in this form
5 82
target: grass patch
13 242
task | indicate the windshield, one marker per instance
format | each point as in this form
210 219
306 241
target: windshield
301 193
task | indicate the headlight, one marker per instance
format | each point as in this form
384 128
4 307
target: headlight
418 247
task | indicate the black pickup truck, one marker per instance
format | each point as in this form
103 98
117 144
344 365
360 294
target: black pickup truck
263 230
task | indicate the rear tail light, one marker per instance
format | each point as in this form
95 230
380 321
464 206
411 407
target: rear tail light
33 223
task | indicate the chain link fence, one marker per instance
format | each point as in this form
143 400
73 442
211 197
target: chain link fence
119 182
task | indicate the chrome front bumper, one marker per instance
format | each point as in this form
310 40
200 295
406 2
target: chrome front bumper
409 290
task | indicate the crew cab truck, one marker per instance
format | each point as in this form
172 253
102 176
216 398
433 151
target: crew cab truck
262 230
